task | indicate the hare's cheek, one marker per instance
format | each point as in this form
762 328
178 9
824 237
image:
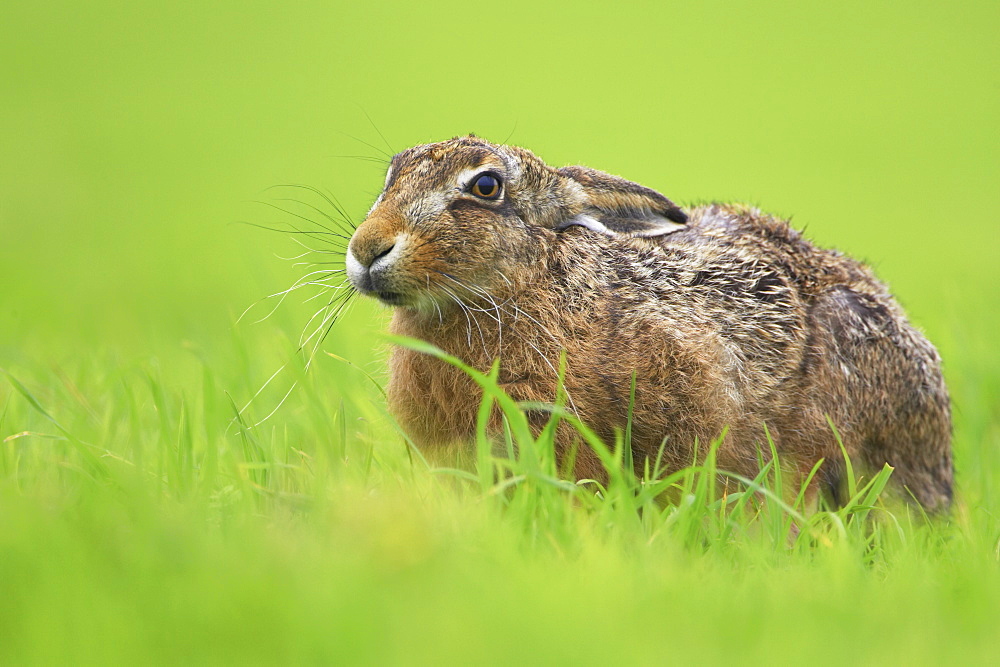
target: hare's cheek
478 227
425 209
428 259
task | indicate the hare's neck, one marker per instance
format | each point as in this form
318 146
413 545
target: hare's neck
481 331
451 326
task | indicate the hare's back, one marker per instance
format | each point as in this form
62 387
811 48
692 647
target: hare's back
746 234
749 284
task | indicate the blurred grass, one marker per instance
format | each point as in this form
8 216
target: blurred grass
134 139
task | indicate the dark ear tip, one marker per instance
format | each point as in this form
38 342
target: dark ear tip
676 215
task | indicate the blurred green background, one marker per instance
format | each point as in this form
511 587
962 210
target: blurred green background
134 136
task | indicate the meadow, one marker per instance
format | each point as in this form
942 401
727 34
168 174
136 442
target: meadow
179 482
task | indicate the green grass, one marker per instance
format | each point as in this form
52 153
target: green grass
142 521
150 522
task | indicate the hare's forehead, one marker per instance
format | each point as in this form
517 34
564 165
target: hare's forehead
442 168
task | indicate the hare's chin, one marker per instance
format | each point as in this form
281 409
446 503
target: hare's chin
389 298
421 302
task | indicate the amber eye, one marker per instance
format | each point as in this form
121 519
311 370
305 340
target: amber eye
486 186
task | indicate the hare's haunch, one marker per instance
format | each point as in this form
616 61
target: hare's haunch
727 316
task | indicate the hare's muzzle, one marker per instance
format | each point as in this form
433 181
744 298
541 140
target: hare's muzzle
370 260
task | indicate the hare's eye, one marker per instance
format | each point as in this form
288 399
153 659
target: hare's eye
486 186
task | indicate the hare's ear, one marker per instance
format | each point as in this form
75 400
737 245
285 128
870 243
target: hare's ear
616 206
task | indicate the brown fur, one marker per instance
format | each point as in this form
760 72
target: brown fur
730 320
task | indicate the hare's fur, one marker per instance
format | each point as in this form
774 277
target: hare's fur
728 320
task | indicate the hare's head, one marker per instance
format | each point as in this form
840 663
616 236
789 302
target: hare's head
467 216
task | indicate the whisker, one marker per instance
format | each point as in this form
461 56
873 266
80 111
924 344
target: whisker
282 294
464 312
323 232
326 232
334 221
325 311
366 158
482 294
263 387
317 250
512 310
292 231
327 325
513 130
470 310
297 257
361 141
329 198
328 287
284 398
386 141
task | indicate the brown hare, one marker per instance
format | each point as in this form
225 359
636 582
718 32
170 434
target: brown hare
729 319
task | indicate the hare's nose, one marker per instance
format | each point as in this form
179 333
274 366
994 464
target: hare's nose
375 259
369 263
381 256
369 252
